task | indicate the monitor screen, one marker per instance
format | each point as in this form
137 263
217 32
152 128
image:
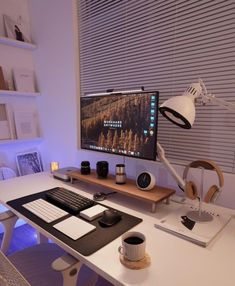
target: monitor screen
122 123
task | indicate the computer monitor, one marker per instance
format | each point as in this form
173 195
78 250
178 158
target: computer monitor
120 123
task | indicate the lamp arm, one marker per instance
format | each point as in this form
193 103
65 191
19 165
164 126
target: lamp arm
221 102
208 97
170 168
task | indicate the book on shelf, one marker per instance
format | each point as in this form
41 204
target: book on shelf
5 125
3 85
24 80
26 124
17 29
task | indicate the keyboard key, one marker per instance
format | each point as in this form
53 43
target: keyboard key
68 200
45 210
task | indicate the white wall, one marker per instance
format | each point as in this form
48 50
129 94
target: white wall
52 29
55 64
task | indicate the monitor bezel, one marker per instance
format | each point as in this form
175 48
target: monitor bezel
118 94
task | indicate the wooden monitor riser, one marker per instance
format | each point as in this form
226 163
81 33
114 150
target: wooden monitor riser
153 196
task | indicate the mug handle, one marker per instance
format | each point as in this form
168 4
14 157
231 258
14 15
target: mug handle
120 250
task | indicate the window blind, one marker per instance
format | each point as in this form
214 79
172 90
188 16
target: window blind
166 45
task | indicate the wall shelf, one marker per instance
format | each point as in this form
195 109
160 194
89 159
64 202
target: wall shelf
18 44
18 93
153 196
17 141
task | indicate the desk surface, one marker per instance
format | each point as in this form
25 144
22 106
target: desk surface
174 261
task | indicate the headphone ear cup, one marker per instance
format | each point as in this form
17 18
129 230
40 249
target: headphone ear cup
191 190
211 193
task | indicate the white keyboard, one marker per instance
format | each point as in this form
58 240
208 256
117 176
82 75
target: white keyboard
46 211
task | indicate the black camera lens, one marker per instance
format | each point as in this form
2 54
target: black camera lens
85 168
85 163
102 169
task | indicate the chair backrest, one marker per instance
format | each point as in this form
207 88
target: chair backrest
9 275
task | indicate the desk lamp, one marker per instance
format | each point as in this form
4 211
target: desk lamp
180 110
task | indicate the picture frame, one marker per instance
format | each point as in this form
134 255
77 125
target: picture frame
5 124
25 124
24 80
16 30
29 163
3 85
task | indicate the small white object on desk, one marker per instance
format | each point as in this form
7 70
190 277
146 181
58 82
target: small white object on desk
74 227
178 199
93 212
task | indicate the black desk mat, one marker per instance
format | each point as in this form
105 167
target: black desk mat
87 244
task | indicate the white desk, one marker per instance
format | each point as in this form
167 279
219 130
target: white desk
174 261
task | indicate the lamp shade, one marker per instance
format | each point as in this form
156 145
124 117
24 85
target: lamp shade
180 110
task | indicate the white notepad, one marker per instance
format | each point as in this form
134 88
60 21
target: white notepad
93 212
74 227
202 233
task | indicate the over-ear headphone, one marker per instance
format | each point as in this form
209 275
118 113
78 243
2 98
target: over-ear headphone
191 189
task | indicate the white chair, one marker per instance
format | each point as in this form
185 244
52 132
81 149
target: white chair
46 264
8 220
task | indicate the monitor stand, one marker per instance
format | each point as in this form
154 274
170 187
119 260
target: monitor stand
199 216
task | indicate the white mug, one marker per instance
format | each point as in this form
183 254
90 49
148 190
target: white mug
133 246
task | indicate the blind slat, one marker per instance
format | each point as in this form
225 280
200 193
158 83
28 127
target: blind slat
166 45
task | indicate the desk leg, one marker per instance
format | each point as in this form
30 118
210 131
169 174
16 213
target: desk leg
41 238
168 201
154 206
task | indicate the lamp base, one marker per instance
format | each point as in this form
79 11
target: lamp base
199 216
